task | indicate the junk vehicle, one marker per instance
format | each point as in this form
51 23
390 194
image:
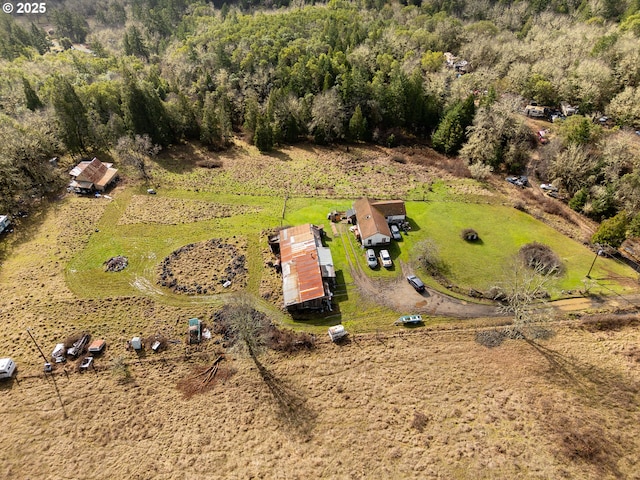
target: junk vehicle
337 332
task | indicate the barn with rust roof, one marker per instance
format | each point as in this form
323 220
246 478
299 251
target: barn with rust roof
308 274
92 176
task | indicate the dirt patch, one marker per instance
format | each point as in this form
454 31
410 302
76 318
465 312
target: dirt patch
174 211
204 268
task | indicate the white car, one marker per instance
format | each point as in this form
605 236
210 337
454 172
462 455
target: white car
385 258
7 367
372 261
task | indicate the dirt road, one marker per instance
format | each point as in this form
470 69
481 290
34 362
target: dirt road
399 295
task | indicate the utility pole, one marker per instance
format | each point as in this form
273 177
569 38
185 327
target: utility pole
37 346
598 253
55 386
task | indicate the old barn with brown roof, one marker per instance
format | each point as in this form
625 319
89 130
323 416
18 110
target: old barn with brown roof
308 273
92 176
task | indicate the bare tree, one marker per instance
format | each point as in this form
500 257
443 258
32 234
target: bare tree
246 327
135 152
524 292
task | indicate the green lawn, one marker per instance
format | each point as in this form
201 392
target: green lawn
503 230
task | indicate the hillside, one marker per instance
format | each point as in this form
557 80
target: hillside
427 402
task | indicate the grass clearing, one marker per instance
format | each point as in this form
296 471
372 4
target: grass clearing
425 402
503 230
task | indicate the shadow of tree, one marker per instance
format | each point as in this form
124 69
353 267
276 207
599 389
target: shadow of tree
292 408
599 387
585 439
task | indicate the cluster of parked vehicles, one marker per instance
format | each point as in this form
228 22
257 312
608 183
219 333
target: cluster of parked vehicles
385 258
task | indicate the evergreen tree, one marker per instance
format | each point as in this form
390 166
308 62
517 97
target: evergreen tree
71 115
133 43
144 112
358 125
210 128
450 134
263 138
251 113
39 39
33 101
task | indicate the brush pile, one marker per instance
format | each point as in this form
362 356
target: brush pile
116 264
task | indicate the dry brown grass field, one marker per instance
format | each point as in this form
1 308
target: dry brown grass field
419 403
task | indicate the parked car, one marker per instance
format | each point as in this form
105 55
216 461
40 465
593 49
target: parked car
395 232
520 181
548 187
385 259
372 261
416 283
7 367
408 320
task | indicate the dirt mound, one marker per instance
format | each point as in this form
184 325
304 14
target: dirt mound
204 268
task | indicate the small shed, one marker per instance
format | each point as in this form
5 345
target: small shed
136 343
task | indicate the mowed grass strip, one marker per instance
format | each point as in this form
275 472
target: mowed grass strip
503 230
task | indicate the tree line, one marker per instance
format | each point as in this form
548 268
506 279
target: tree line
180 70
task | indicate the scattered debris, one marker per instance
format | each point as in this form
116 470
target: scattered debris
97 346
78 346
210 372
86 363
59 353
203 380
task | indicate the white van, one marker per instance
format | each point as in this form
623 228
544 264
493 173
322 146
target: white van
7 367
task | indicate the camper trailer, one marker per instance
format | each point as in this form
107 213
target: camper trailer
7 367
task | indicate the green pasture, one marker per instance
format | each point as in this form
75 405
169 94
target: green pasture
503 230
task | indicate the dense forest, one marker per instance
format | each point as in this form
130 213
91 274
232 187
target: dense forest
111 75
